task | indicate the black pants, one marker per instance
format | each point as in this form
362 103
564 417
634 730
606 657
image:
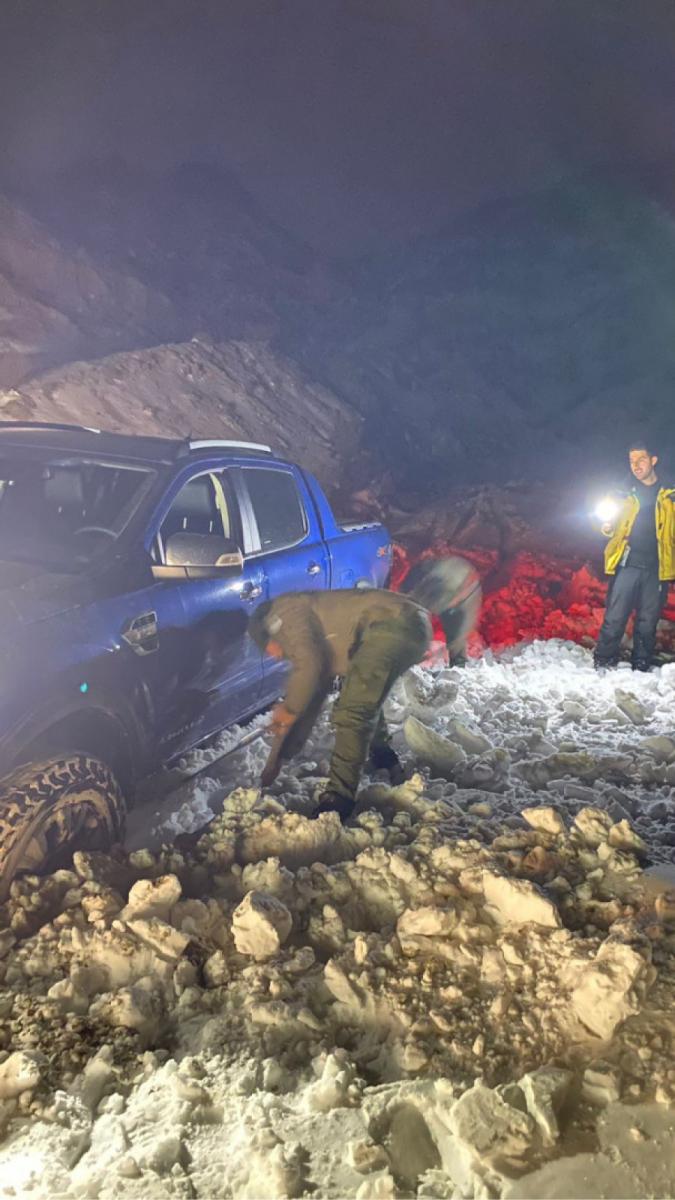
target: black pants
631 588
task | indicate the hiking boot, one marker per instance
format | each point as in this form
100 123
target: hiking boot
333 802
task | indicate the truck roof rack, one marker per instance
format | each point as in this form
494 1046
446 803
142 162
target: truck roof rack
46 425
230 444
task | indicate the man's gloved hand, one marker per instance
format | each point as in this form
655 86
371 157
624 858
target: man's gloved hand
282 720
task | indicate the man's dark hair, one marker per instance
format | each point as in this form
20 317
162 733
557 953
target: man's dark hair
640 443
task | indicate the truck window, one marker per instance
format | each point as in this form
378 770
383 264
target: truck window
278 509
201 506
65 509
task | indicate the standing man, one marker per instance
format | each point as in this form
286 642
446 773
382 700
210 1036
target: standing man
366 638
640 557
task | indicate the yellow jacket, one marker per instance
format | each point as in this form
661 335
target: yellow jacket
665 532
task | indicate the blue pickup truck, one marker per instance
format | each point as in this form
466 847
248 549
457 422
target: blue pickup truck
128 569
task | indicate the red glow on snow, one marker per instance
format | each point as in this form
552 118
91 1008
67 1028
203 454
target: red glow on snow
531 597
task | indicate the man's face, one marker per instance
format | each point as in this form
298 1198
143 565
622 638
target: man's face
642 465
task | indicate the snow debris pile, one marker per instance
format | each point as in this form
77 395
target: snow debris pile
467 991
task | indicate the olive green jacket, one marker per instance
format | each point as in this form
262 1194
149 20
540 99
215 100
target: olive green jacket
319 633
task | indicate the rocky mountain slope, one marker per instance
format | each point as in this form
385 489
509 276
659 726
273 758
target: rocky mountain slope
57 305
197 236
229 389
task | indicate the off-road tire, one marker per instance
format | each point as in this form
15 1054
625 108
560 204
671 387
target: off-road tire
51 808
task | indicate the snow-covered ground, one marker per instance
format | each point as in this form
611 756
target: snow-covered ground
467 992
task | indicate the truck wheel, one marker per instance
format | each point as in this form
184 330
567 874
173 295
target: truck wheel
49 809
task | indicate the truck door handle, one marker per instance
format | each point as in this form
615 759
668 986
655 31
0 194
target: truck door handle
314 568
251 591
142 633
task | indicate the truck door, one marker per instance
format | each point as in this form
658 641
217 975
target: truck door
214 668
282 537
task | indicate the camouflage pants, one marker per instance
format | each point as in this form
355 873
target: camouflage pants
386 651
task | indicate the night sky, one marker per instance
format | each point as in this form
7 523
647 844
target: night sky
349 120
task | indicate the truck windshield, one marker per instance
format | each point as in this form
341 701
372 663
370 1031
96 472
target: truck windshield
64 510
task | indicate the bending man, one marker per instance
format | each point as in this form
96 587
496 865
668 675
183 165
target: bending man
367 638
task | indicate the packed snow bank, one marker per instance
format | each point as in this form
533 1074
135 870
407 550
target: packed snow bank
468 991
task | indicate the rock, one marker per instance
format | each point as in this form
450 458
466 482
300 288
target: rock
139 1007
593 826
545 819
628 803
341 986
332 1089
159 1154
442 755
573 710
518 902
216 970
7 940
426 922
630 706
660 747
664 1093
94 1080
658 810
622 837
366 1156
470 742
167 942
605 994
600 1084
102 906
260 925
378 1186
94 867
19 1073
494 1132
152 898
545 1091
68 997
128 1168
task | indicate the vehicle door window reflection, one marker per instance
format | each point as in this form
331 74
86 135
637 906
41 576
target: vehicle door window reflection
201 507
277 507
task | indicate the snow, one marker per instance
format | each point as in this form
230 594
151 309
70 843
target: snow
467 991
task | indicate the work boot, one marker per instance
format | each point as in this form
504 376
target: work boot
605 664
457 660
333 802
383 758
